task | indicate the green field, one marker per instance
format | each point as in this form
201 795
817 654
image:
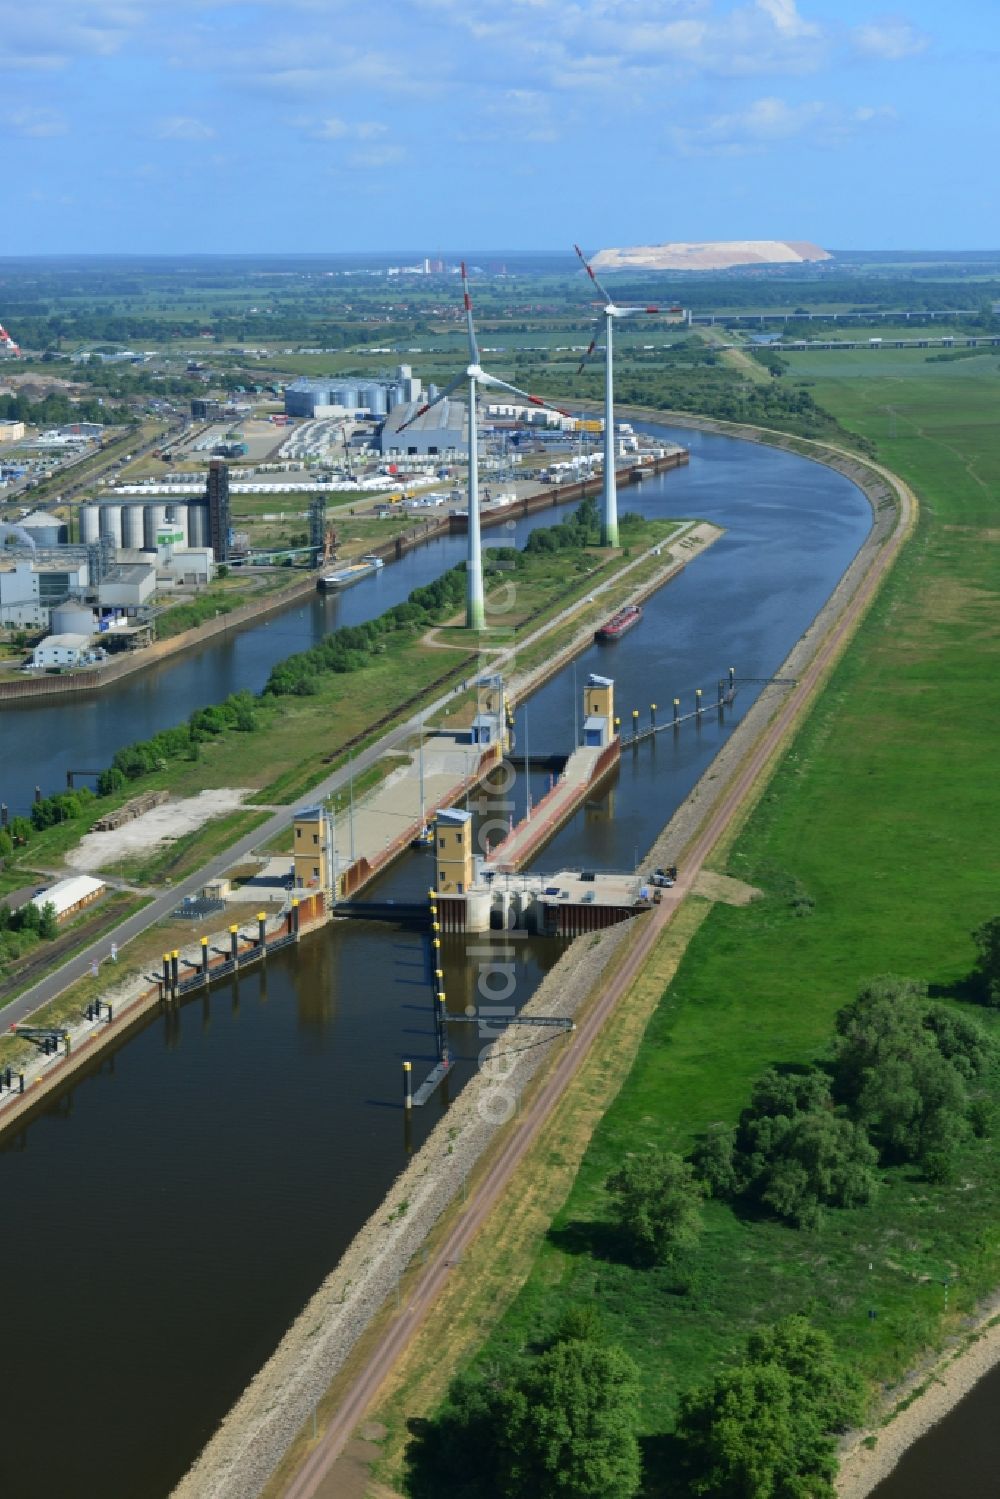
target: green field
873 847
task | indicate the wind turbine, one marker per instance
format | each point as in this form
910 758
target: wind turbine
609 521
474 375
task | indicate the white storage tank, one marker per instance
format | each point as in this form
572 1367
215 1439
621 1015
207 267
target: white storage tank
72 619
111 523
90 526
133 529
154 517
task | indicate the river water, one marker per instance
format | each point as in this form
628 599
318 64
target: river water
170 1213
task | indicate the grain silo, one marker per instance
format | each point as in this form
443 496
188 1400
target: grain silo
177 515
90 527
111 523
133 529
154 518
198 529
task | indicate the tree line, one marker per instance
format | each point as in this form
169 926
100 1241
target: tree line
907 1082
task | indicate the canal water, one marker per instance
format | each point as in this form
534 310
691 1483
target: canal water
957 1459
172 1211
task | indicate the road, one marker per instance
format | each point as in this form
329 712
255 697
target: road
162 905
523 1132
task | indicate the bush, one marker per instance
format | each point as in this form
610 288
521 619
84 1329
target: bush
793 1152
901 1066
657 1201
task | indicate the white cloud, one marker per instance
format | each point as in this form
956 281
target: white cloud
769 122
371 158
334 129
183 128
40 124
52 33
890 40
618 38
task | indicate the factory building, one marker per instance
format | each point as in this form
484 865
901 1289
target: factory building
11 431
442 431
127 585
330 397
29 590
151 524
205 410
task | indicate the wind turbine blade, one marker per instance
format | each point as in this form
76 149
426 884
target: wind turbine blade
442 395
593 275
473 346
620 310
524 395
591 346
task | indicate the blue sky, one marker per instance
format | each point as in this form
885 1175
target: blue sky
339 125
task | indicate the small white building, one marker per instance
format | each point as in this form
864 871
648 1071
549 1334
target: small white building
68 897
191 565
65 650
10 430
127 585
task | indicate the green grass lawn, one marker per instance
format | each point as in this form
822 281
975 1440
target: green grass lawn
882 815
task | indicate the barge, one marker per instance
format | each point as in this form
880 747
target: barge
346 577
619 623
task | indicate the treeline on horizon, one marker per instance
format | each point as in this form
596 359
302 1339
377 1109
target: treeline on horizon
46 304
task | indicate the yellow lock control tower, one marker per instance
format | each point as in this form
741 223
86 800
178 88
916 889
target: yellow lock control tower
453 851
310 849
598 711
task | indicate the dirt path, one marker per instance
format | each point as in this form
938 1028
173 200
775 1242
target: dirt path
731 806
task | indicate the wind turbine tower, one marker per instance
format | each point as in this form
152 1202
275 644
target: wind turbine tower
473 376
610 311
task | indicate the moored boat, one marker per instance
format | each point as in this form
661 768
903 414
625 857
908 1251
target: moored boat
617 625
346 576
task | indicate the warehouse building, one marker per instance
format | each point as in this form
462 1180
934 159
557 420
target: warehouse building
66 650
10 430
440 432
69 897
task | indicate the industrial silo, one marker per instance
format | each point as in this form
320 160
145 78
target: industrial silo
133 530
46 530
371 397
90 527
111 523
177 516
72 618
198 532
154 517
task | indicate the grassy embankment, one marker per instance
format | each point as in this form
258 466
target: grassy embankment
871 845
